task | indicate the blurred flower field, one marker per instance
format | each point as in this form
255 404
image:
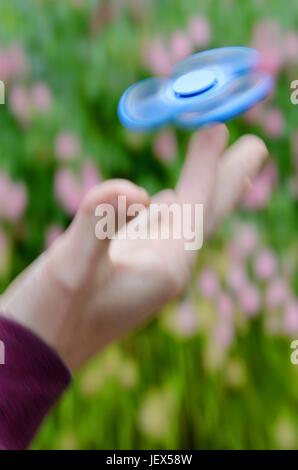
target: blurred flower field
213 370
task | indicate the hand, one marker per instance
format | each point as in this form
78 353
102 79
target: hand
82 293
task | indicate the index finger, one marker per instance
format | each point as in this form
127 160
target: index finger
197 180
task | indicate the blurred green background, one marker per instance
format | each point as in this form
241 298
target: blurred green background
213 370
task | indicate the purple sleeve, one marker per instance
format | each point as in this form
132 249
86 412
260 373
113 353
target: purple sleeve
31 380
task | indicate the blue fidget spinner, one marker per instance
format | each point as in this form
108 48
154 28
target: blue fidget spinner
208 87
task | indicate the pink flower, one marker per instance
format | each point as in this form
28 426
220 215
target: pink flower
262 186
208 284
90 176
13 198
246 240
68 191
225 306
67 146
157 58
265 265
17 61
53 232
267 31
255 114
200 31
165 146
237 278
273 123
290 320
41 97
271 59
20 104
270 174
257 197
186 319
291 47
17 202
277 293
249 300
267 38
180 46
234 251
224 334
12 62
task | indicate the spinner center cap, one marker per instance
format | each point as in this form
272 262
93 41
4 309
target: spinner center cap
195 82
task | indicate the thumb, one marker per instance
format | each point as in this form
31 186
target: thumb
76 254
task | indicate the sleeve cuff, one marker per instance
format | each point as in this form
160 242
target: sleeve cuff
32 378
